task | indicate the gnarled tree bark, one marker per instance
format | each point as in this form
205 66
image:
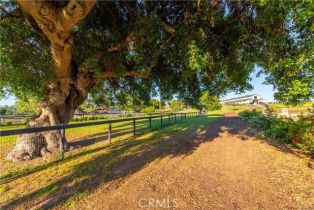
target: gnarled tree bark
65 92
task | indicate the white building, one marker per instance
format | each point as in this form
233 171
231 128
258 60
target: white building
248 99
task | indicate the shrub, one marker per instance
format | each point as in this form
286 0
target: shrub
91 118
149 109
277 131
246 115
8 123
299 133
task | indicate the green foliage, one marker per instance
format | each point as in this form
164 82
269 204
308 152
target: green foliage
25 120
3 110
176 105
6 110
149 109
298 132
213 47
27 106
209 102
24 57
87 106
7 123
156 104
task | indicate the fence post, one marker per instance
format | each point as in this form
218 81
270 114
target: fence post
134 128
184 115
169 119
109 133
61 142
160 120
150 122
175 117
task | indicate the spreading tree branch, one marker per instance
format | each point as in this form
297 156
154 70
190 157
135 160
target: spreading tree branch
109 73
57 23
125 43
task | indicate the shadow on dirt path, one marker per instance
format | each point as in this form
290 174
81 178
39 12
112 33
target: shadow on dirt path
207 165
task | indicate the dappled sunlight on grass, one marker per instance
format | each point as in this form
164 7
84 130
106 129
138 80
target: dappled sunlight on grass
87 167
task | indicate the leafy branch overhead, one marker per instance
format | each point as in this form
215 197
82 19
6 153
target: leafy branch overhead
171 47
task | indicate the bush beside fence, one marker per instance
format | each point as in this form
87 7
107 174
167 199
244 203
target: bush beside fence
299 132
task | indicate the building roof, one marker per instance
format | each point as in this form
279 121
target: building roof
239 98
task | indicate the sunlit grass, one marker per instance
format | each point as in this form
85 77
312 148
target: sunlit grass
51 176
277 107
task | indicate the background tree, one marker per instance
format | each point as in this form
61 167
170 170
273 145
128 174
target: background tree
3 110
87 107
6 110
149 109
176 105
26 106
155 103
208 102
148 48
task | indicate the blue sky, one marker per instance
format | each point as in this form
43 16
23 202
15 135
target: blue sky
266 91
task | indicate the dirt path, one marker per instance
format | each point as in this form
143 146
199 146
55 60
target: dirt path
228 168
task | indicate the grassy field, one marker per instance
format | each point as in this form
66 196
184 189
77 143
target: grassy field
89 163
121 129
275 106
302 108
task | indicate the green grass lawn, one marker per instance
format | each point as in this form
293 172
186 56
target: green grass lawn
88 131
88 164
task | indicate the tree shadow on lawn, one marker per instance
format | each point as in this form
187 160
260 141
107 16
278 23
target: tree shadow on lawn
125 158
117 129
101 137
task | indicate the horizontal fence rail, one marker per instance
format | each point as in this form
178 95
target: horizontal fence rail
136 125
77 125
24 117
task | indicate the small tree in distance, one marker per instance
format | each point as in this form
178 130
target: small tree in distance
209 102
176 105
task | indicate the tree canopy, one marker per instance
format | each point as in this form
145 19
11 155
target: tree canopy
208 102
182 48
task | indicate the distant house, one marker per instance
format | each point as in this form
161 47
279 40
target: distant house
248 99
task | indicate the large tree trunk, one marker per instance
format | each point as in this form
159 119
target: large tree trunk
67 89
57 109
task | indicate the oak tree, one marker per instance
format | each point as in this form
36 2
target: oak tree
60 51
